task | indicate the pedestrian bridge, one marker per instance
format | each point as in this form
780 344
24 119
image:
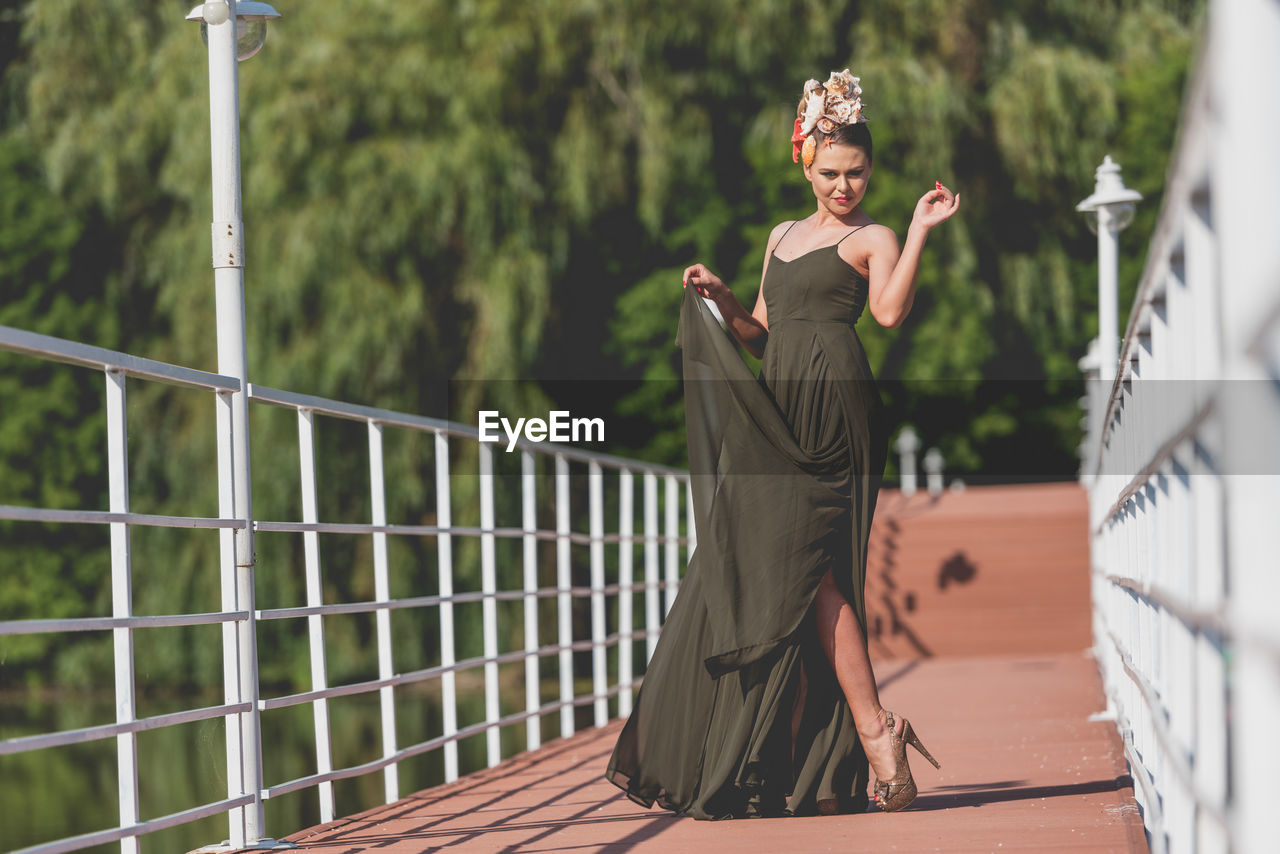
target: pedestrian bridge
1097 665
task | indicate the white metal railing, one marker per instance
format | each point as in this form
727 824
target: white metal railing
661 548
1181 468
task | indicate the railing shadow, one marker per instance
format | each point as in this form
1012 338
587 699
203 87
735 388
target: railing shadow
891 620
364 836
980 794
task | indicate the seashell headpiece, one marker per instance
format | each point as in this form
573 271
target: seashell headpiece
825 106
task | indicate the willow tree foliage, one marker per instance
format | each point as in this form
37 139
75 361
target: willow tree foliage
460 202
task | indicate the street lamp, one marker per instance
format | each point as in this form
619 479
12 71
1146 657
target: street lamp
228 43
251 23
1107 212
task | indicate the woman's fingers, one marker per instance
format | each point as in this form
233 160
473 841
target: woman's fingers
698 276
941 200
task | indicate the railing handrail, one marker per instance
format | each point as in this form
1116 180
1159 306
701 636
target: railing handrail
87 355
423 423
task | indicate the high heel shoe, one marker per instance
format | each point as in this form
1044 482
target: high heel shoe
895 794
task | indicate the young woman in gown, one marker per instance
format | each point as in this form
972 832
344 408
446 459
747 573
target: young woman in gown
760 697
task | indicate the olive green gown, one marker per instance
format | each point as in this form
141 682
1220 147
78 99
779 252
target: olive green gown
785 470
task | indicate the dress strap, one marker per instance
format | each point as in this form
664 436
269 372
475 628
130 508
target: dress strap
784 234
859 228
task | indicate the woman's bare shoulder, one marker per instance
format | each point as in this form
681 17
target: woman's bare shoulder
874 232
780 229
876 239
776 234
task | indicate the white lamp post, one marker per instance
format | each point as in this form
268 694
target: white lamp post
933 464
906 445
229 42
1108 212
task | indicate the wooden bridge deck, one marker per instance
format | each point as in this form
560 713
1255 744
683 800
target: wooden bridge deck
980 629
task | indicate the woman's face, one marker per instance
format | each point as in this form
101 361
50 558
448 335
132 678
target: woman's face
839 174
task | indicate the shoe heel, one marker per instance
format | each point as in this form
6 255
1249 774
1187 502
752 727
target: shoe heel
914 740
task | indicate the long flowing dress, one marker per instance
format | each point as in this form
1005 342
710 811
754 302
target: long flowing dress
784 470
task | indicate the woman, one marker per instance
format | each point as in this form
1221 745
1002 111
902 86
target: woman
760 698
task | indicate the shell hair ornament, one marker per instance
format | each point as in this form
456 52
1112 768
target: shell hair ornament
826 106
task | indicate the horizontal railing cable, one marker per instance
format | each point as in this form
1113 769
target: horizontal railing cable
460 530
85 355
99 624
434 744
106 517
356 412
104 837
428 673
430 601
23 744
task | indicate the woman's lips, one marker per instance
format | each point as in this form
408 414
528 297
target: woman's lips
844 200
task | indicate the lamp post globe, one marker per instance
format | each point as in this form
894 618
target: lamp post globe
251 23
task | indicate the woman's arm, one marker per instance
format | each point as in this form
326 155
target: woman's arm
751 330
893 271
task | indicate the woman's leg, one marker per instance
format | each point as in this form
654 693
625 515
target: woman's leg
846 649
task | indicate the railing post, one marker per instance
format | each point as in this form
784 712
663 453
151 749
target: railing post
122 603
691 542
315 598
626 556
532 670
599 631
489 607
230 631
652 616
564 598
444 574
672 508
382 593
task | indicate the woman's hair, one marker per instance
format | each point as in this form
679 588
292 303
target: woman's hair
854 134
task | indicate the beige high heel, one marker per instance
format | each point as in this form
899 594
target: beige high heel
896 794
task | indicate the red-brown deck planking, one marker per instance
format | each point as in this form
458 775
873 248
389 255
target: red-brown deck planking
979 607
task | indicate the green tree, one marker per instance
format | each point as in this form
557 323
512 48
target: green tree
52 428
450 204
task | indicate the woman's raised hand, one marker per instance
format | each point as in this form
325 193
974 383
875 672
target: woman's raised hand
707 283
935 207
